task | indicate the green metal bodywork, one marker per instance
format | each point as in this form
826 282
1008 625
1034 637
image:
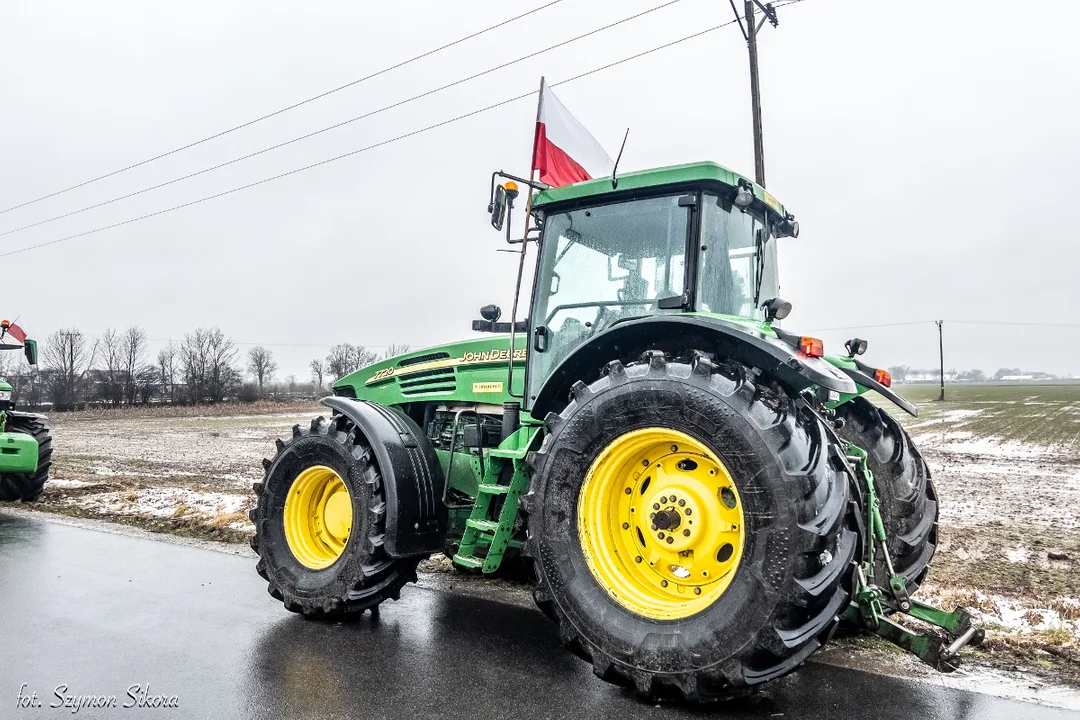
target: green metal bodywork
469 371
18 451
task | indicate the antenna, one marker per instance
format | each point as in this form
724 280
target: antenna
614 179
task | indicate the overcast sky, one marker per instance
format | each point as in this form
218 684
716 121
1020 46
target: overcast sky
928 149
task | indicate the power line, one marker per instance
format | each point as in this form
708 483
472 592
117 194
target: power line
958 322
867 327
1008 322
344 122
369 147
289 107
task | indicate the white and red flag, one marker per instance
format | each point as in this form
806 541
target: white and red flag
564 151
14 330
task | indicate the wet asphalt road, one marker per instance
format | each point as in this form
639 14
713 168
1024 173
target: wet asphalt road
101 612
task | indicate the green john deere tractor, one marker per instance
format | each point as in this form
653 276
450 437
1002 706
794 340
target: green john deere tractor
704 496
25 443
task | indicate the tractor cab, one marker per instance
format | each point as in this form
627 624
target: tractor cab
686 239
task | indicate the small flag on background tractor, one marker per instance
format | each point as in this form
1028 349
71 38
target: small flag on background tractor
10 328
564 151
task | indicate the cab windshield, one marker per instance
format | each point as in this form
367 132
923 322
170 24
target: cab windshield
602 264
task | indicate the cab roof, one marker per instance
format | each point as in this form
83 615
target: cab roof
690 173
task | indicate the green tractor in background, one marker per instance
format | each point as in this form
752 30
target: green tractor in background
704 496
25 443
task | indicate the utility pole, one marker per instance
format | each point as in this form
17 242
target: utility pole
755 93
750 28
941 356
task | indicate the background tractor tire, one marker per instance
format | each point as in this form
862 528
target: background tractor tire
28 487
363 575
796 568
909 506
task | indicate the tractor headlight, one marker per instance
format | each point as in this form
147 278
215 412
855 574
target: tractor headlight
5 395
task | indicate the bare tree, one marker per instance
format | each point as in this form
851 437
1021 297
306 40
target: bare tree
66 358
318 371
208 360
167 360
223 377
345 358
261 365
111 389
393 350
133 348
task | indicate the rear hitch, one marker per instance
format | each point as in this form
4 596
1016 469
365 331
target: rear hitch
960 629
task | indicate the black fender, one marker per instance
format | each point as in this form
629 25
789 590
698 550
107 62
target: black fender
673 333
863 376
412 476
27 415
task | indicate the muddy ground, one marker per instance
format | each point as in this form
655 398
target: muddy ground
1006 460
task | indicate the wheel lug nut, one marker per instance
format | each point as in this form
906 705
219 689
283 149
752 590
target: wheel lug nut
681 503
645 463
663 499
656 506
660 535
697 591
637 559
652 516
628 491
626 526
653 527
686 532
688 511
670 540
674 448
663 583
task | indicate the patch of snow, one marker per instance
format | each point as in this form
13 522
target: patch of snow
66 483
991 446
165 502
950 416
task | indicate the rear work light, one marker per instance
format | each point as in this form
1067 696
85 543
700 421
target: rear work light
883 377
811 346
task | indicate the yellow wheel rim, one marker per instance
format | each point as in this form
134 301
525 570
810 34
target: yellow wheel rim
661 523
318 517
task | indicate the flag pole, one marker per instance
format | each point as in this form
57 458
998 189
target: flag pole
524 246
532 164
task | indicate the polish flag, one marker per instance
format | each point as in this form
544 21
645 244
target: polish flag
15 331
563 150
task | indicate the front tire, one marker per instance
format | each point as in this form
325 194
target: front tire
769 604
320 521
28 487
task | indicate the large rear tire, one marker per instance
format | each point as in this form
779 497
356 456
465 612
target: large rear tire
908 500
28 487
320 521
786 575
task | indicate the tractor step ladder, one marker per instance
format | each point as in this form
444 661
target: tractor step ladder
482 531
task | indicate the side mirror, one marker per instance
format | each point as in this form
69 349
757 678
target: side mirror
491 313
497 207
30 350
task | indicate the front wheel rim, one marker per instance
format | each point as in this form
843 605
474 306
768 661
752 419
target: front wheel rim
317 517
661 524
